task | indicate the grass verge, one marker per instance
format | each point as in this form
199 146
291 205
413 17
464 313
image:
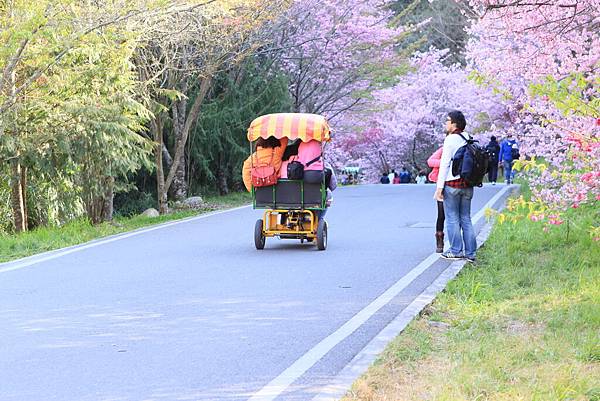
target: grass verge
521 324
79 231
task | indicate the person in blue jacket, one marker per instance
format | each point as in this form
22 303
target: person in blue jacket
405 176
508 149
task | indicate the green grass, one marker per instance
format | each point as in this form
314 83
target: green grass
521 324
79 231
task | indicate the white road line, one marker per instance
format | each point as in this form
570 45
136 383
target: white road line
35 259
279 384
342 382
297 369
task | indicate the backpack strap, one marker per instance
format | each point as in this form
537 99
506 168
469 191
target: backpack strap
462 136
313 160
256 157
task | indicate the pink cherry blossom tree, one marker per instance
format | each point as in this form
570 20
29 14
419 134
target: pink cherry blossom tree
544 56
404 124
336 52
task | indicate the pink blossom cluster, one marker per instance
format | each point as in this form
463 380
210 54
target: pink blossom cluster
526 41
518 44
332 49
404 124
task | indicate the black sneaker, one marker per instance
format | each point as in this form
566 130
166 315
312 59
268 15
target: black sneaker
450 255
470 259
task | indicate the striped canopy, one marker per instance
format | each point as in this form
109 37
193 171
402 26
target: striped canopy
290 125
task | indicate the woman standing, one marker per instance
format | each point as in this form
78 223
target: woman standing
434 163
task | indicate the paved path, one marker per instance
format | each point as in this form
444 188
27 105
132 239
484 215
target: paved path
192 311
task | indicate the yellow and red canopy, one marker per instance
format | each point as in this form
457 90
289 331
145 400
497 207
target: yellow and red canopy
291 125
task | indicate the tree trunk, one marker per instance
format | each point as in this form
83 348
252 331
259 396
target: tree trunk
17 185
167 159
161 192
98 202
384 163
99 208
179 188
107 200
182 137
17 198
92 208
222 181
24 194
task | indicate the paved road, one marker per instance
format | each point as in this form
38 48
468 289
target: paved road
192 311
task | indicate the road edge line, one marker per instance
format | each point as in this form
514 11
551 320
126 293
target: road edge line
362 361
57 253
280 383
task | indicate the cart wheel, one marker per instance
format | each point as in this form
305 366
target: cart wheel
322 235
259 238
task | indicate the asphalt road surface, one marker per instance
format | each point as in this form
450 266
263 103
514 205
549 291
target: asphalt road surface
192 311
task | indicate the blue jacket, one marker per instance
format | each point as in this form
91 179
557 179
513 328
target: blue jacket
505 149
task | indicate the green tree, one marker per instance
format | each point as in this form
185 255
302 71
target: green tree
178 58
218 145
104 120
441 24
65 90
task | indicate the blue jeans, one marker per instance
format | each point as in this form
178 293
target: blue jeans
507 171
457 208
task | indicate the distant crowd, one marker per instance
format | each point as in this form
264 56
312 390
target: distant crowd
501 155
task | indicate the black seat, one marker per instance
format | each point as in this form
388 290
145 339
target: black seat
264 197
312 195
287 194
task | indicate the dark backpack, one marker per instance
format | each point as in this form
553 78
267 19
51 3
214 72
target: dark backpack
295 169
514 152
471 162
493 149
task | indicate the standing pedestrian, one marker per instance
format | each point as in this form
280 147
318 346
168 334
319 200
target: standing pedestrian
391 175
405 176
455 193
494 149
434 163
507 155
331 185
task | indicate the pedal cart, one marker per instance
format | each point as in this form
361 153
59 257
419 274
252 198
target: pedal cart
291 206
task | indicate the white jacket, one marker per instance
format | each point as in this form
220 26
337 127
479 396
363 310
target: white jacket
451 145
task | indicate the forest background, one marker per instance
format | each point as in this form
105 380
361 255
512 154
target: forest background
110 107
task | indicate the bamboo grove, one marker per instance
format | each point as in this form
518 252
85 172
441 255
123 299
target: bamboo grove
105 98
